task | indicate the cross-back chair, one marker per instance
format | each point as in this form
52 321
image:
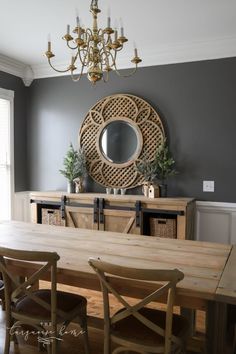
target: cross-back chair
47 311
137 328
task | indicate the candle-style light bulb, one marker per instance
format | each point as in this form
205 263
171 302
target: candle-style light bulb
121 27
49 43
68 29
135 50
108 17
77 21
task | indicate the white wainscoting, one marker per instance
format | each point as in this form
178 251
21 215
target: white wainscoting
215 222
21 207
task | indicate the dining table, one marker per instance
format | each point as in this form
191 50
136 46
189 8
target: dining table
209 282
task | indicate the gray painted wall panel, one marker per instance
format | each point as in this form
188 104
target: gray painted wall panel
195 100
14 83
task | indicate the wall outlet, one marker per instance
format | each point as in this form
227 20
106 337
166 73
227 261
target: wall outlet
208 186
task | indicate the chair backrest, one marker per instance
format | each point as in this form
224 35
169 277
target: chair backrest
44 262
167 280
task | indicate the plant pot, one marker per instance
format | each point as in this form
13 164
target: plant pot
70 187
79 186
163 190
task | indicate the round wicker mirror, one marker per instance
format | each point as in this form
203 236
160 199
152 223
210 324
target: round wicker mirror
116 133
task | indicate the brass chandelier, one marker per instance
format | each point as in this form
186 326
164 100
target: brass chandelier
95 49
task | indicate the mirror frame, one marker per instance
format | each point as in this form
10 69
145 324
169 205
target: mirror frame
147 125
138 149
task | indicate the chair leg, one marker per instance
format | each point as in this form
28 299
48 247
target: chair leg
84 328
9 333
107 344
3 305
7 341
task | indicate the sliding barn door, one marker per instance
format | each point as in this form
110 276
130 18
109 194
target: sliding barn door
82 217
118 221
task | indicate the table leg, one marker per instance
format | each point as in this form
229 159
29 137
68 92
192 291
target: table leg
191 316
216 324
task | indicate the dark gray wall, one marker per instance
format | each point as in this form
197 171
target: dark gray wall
14 83
196 102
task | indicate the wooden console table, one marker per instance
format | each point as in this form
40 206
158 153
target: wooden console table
131 214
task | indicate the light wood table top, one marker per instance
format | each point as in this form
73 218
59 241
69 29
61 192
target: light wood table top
202 263
226 291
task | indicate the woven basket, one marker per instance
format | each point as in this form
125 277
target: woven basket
163 227
52 217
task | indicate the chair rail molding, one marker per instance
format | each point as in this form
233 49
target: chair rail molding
17 68
215 222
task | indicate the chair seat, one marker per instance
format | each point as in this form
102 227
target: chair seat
132 330
66 302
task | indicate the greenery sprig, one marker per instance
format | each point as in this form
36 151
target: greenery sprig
160 168
75 164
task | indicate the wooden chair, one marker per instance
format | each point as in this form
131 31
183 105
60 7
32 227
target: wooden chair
44 310
137 328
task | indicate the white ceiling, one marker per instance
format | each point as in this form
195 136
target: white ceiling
165 31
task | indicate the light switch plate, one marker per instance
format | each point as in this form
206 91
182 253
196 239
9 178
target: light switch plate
208 186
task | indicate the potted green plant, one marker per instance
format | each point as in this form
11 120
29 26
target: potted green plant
159 169
75 167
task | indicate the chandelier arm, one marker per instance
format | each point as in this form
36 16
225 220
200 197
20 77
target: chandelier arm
126 75
79 76
82 60
88 30
86 57
86 61
107 39
70 46
102 49
100 32
88 46
59 71
78 53
106 55
105 60
113 59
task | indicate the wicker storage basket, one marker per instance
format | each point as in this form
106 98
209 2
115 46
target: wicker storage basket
52 217
163 227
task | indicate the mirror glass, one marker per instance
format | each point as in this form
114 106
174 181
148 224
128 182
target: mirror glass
118 141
